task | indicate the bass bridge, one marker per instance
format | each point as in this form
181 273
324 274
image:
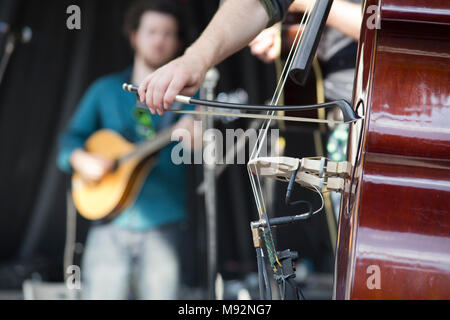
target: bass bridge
317 173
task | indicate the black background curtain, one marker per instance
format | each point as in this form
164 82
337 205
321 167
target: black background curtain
42 85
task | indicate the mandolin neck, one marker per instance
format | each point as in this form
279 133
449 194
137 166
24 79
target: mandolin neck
147 148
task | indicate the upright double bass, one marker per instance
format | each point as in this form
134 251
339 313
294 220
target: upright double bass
394 227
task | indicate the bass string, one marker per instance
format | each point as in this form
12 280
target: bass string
254 178
274 101
277 94
287 66
263 132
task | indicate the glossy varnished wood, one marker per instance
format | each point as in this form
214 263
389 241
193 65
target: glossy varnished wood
423 11
398 217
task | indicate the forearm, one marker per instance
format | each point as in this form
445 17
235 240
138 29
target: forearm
233 26
231 29
344 16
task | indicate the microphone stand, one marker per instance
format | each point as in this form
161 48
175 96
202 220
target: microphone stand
207 92
11 41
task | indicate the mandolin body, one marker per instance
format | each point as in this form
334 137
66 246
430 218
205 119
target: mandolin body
119 188
394 227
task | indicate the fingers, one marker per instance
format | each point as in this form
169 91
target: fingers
265 49
160 88
142 92
266 46
149 97
96 169
262 45
155 92
183 75
176 86
151 90
257 39
269 55
143 88
272 53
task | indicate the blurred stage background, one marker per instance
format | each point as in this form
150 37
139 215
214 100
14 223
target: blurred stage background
41 87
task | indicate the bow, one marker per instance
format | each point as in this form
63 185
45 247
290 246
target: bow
348 113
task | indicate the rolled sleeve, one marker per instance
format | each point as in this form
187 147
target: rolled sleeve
276 10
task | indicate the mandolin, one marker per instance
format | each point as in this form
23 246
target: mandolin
118 189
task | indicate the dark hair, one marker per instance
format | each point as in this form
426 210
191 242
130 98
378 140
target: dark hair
138 8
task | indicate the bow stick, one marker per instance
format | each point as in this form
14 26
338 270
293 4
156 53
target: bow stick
348 113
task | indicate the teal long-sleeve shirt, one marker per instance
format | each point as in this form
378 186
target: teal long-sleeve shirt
106 106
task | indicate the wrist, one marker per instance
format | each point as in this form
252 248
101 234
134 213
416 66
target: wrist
201 57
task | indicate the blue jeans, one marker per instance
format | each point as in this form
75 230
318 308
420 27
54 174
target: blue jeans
123 264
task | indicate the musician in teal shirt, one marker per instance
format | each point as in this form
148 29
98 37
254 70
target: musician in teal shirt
107 106
134 255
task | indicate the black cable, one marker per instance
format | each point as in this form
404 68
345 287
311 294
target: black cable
265 291
289 219
266 281
259 260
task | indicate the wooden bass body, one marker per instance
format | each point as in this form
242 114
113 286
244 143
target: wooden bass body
394 227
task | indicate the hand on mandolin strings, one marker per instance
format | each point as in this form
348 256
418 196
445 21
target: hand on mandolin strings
91 167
